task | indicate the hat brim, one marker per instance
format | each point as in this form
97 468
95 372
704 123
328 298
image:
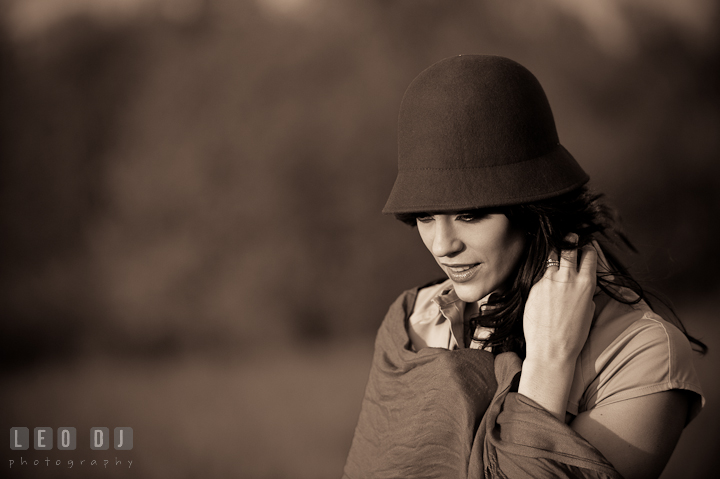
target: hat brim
437 190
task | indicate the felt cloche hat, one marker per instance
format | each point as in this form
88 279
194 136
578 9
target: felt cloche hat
477 131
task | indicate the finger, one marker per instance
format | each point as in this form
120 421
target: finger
588 261
553 263
569 257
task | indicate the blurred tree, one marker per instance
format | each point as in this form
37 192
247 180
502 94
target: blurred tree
193 174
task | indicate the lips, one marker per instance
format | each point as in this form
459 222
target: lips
461 273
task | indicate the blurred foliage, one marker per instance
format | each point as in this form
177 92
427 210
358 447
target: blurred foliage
181 175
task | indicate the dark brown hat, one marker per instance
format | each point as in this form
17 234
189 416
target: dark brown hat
476 131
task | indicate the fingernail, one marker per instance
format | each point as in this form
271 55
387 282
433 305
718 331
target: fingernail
572 238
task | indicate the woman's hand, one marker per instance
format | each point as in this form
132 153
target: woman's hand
559 308
556 324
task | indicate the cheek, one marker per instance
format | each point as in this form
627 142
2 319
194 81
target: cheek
509 251
425 235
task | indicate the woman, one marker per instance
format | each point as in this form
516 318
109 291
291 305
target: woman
538 356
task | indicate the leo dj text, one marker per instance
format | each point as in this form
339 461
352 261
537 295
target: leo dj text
122 438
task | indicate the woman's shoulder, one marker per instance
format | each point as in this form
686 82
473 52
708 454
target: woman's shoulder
615 320
632 351
619 325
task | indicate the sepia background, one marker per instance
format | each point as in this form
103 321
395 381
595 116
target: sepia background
190 228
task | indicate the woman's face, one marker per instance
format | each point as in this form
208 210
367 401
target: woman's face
477 252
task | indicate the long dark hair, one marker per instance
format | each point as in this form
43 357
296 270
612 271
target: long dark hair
546 224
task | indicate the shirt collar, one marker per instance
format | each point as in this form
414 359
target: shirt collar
450 304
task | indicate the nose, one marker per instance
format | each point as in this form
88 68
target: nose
445 239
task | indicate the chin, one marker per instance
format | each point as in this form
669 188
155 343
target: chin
470 293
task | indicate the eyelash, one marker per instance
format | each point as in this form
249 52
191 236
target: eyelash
465 218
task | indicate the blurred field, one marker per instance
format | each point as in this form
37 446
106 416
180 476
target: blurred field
284 413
